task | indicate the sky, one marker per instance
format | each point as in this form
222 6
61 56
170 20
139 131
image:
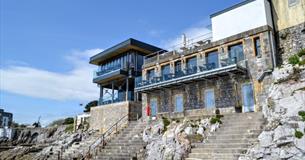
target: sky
45 46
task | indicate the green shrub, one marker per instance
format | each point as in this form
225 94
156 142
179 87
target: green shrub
68 120
166 122
215 120
302 114
69 128
298 134
301 52
302 62
294 59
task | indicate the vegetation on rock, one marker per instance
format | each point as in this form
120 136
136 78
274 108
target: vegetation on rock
215 120
166 123
296 58
90 104
302 114
298 134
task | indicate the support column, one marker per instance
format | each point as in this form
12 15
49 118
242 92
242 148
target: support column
127 88
101 94
112 94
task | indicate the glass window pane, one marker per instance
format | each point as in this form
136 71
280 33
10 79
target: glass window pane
179 103
154 106
257 47
150 74
209 99
237 52
165 70
212 60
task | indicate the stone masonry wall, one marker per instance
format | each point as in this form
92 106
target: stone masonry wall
103 117
290 41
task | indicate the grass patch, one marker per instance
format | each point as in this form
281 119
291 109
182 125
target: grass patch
302 114
166 123
69 128
294 60
298 134
215 120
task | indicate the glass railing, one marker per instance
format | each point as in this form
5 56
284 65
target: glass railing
184 72
100 72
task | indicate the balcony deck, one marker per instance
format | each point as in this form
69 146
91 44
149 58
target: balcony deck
198 76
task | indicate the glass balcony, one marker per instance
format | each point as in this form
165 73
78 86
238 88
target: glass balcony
103 71
190 70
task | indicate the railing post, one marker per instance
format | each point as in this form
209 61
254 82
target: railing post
116 128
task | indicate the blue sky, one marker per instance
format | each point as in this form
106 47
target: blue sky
45 46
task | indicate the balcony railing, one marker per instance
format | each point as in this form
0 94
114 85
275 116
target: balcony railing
185 72
100 72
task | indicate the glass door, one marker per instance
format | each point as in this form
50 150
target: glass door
209 99
179 103
153 106
248 98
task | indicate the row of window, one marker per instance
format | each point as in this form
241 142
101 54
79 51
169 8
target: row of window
236 52
209 98
133 59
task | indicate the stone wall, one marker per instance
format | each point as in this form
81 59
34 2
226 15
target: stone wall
290 41
103 117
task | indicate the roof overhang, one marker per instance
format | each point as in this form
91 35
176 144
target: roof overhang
130 44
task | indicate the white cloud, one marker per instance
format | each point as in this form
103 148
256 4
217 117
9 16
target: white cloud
73 85
193 34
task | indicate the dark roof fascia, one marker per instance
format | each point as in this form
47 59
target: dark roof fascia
125 44
231 8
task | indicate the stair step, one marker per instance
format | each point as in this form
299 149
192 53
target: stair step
218 150
214 155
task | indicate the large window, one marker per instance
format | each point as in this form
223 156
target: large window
236 52
165 70
209 99
191 65
212 60
179 103
150 74
178 68
154 106
257 47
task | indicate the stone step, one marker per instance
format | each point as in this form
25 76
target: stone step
257 131
216 156
232 136
123 147
126 141
218 150
115 151
221 145
246 140
112 157
239 128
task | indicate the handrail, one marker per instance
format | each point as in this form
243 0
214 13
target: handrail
107 133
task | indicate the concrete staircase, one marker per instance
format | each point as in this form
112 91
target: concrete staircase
126 145
231 140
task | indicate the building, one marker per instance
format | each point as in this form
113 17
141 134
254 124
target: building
229 71
289 22
6 120
118 67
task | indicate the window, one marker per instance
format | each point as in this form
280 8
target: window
292 3
179 103
257 47
178 68
212 60
165 70
150 74
209 98
154 106
236 52
191 65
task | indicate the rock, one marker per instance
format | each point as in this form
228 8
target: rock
265 139
282 132
300 144
283 74
200 131
214 127
188 130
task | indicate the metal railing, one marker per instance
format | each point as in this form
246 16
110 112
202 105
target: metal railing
100 72
190 46
102 141
189 70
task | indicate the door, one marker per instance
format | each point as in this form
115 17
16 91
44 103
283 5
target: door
209 99
153 106
248 98
179 103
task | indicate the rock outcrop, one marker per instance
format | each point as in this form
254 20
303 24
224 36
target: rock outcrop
174 141
279 139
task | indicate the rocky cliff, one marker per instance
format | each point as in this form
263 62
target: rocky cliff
283 136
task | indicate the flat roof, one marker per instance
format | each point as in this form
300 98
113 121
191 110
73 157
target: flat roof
231 8
121 48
